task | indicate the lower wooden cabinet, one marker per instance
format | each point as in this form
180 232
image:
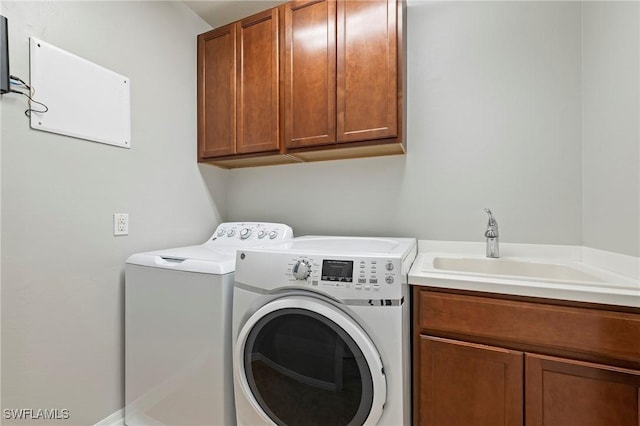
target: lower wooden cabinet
573 393
468 384
492 374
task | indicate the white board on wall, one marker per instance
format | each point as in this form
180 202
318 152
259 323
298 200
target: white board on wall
84 100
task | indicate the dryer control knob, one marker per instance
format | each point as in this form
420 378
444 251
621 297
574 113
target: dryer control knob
244 233
301 270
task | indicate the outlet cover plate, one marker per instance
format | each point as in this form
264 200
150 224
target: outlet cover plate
120 224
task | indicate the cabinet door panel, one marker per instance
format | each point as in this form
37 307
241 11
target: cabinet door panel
367 55
468 384
310 73
574 393
257 83
216 92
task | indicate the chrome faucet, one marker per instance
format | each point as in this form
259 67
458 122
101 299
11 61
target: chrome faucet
493 250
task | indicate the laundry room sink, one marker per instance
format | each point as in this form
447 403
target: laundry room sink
513 267
531 270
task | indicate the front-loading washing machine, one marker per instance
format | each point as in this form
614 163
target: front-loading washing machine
178 328
321 332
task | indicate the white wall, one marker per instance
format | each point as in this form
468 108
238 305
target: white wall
494 119
610 126
494 111
1 11
62 269
221 12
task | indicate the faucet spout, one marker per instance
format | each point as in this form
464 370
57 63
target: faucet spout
491 234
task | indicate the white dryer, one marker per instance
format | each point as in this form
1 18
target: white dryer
321 332
178 328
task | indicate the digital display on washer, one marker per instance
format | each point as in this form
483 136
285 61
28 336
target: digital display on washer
337 270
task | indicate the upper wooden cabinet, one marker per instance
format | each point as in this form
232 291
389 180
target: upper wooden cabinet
341 71
257 83
310 73
238 85
368 91
217 92
309 80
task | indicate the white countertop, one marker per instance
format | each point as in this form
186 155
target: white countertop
615 277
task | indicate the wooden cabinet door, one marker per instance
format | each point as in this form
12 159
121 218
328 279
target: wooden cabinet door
310 73
217 92
367 68
574 393
257 83
468 384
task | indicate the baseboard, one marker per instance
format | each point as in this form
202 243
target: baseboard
115 419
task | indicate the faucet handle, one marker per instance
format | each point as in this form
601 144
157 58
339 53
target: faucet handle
492 226
492 221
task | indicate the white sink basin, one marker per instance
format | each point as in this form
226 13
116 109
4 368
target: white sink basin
512 267
546 271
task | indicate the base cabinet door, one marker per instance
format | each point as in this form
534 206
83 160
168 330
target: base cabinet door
574 393
468 384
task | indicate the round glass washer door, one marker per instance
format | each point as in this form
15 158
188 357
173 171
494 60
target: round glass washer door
303 361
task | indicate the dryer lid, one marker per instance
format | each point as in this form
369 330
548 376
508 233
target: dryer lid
202 258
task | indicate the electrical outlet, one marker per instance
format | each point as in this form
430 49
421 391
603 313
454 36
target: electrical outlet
120 224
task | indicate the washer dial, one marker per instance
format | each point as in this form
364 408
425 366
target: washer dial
301 270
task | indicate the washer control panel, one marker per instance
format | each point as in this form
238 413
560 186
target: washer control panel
359 274
366 270
250 233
